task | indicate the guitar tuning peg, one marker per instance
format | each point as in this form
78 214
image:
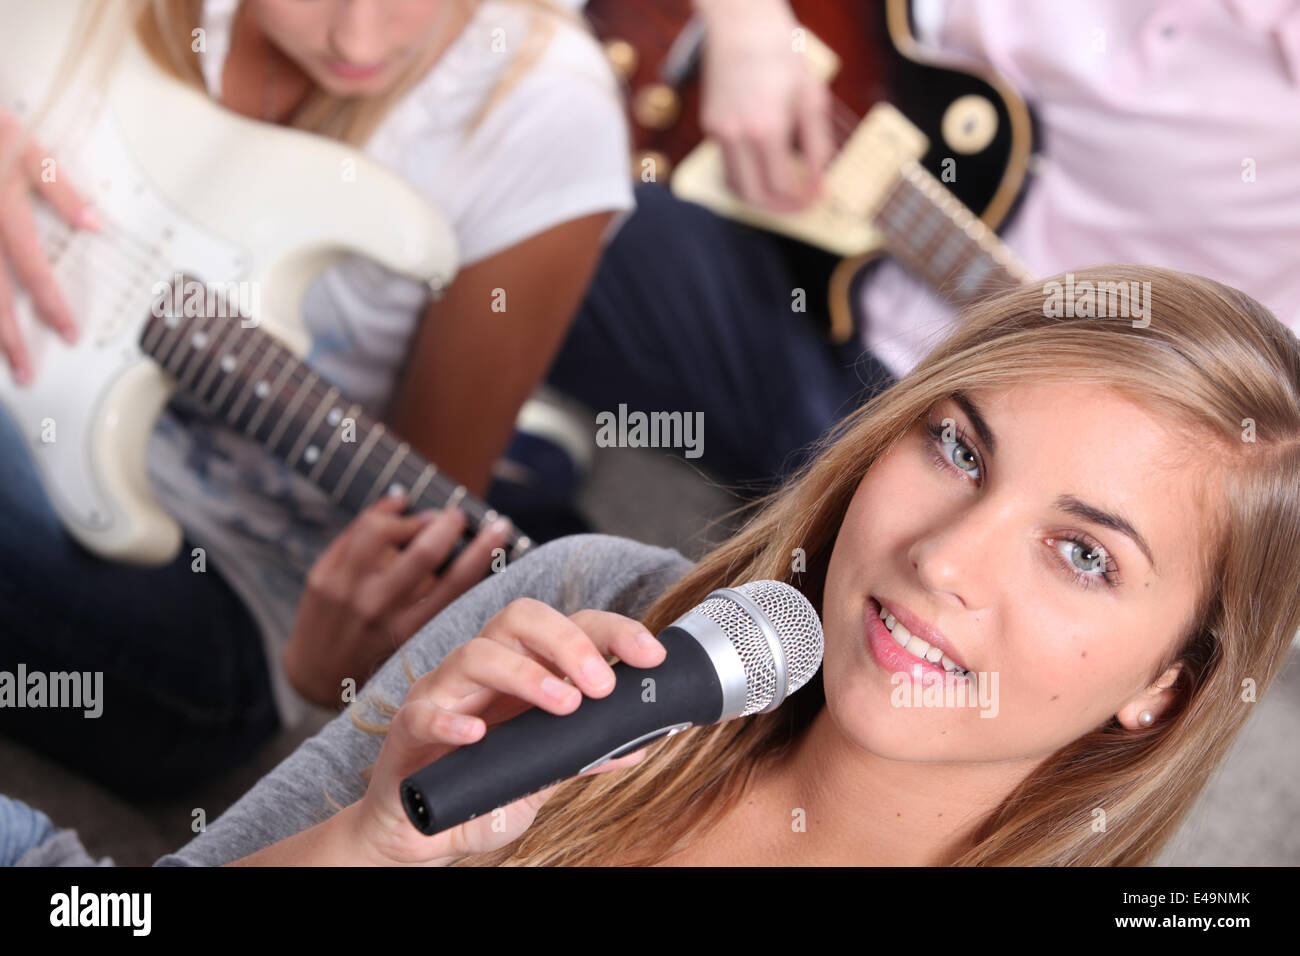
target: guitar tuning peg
622 57
656 106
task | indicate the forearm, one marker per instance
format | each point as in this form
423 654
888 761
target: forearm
485 347
332 842
721 12
337 841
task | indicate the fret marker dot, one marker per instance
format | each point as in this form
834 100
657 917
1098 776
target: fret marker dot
199 340
228 363
262 389
311 454
335 416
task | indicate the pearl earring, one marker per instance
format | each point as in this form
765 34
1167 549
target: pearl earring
1145 718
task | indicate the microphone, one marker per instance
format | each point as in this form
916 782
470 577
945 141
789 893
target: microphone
741 651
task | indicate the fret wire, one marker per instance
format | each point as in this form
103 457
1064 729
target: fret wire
170 339
399 462
247 391
270 397
301 392
232 381
219 342
322 409
333 443
196 362
155 330
376 430
937 221
430 471
917 239
389 470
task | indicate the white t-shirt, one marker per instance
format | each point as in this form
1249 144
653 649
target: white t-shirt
554 147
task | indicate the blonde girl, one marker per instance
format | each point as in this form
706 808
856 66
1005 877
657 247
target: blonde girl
1103 514
504 114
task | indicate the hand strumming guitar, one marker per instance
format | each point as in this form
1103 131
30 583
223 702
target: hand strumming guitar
23 165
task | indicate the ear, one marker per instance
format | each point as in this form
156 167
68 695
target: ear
1155 698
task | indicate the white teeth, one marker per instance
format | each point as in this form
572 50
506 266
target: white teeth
917 647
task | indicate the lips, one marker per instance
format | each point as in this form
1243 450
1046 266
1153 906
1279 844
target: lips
354 71
918 628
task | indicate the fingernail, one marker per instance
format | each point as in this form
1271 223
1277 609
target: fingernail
88 218
70 333
463 725
22 376
558 689
501 527
597 671
646 639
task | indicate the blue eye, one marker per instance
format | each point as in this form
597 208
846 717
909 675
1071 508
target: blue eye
1098 560
1101 567
944 458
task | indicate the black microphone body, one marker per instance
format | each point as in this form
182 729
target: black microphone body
535 749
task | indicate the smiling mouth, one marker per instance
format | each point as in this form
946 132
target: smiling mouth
915 646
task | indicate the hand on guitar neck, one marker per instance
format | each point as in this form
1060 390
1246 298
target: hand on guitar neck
27 174
374 587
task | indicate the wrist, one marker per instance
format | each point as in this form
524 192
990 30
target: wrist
724 11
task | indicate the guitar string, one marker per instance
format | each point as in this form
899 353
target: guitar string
408 472
845 123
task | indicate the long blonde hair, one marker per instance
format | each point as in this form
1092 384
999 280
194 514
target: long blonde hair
1218 365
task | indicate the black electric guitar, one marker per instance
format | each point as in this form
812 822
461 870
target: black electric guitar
933 153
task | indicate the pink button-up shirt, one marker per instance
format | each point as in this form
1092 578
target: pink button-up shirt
1170 136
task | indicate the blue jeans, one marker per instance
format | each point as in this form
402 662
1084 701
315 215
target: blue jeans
186 689
21 829
691 312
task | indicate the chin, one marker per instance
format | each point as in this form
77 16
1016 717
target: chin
859 702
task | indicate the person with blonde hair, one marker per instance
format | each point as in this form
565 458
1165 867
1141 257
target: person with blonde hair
505 115
1096 516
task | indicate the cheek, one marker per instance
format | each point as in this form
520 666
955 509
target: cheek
1070 679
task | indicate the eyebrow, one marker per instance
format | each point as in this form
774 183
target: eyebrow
1067 503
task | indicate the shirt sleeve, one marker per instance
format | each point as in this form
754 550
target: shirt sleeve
324 773
553 148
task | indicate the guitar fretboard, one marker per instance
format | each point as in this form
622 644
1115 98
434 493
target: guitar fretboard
942 242
247 379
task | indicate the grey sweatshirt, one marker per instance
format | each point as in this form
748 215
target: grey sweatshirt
580 571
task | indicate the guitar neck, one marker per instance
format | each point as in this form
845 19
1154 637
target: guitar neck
247 379
942 242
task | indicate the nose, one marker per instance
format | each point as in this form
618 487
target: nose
356 32
965 552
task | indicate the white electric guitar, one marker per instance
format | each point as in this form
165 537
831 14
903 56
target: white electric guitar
186 187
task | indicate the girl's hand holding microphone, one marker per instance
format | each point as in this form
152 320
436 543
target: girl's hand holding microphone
517 661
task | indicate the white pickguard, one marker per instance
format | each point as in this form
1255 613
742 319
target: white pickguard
183 186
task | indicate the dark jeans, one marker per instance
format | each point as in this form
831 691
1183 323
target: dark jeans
691 312
186 693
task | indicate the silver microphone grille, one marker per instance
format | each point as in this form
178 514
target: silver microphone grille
777 634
